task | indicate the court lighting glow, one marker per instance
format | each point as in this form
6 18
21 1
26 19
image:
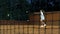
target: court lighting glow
8 15
26 11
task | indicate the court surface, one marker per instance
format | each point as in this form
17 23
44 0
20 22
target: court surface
28 29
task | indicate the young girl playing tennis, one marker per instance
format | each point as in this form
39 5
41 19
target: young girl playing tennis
42 18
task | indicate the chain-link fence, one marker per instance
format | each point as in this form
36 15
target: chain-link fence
52 19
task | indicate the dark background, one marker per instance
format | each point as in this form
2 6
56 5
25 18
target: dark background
17 8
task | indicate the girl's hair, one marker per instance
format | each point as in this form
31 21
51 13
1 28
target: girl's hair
43 10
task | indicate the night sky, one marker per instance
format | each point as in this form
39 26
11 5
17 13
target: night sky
16 9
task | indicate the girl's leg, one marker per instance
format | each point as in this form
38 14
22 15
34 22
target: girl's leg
43 23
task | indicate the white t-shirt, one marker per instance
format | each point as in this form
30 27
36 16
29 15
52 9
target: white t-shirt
42 15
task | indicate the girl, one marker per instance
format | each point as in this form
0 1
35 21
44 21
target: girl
42 18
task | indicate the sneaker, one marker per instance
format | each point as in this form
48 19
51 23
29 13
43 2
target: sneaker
43 25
